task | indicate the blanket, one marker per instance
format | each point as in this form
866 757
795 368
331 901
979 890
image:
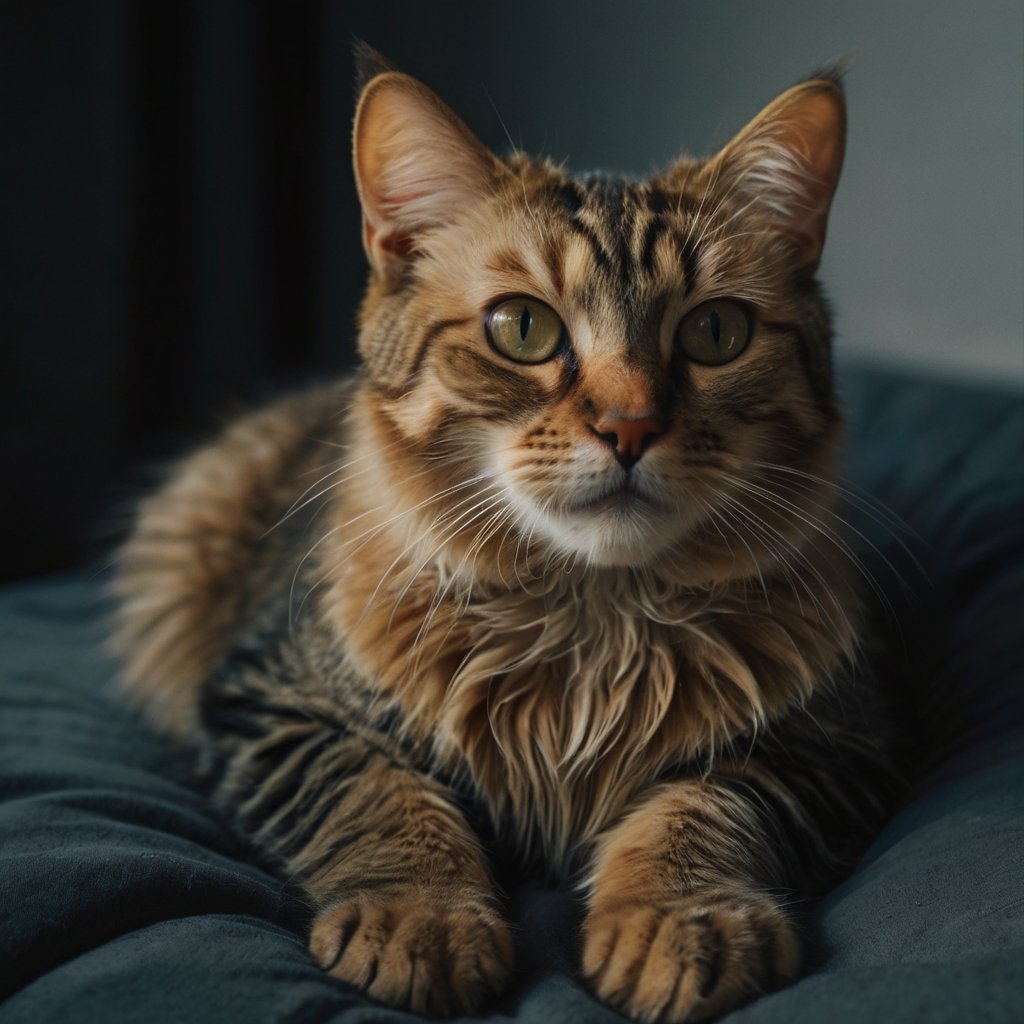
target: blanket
123 898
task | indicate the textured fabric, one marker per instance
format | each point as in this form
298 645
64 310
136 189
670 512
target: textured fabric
123 898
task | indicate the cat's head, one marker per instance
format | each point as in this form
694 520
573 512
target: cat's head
625 371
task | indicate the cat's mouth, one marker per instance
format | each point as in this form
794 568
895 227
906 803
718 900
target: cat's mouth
623 497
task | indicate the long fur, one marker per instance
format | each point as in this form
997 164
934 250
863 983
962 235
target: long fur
435 603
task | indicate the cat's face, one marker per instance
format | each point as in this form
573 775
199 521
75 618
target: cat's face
613 365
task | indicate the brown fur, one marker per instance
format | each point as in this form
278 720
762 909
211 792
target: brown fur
630 695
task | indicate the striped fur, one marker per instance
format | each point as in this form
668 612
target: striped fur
405 621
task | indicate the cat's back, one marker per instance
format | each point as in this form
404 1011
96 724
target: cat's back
209 550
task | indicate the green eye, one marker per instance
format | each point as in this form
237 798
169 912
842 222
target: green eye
525 330
715 333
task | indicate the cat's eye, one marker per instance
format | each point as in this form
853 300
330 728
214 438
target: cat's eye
525 330
714 333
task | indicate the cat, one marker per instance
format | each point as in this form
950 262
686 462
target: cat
570 587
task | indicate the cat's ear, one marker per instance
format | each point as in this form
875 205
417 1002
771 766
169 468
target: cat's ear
416 166
788 160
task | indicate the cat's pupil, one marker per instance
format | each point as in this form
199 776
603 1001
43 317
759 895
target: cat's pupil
716 326
524 323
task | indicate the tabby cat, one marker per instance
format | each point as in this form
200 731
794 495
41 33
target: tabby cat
555 573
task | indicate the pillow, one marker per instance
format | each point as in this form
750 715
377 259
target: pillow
122 897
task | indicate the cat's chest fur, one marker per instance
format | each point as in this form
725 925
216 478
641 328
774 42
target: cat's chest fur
564 699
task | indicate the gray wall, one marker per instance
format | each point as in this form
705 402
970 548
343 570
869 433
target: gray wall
925 260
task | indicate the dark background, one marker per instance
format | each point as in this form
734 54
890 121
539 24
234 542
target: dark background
180 233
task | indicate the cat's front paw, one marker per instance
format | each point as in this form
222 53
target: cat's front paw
689 958
415 952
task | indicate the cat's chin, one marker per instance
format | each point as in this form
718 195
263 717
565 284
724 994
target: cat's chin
621 526
610 534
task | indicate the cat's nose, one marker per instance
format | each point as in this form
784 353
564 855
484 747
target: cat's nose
628 437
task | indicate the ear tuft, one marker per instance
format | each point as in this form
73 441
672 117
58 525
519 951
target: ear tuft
833 72
369 64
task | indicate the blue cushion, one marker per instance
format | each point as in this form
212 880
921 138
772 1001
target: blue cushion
123 898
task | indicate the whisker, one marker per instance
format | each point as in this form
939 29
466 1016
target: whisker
739 536
761 528
364 538
865 502
441 593
431 554
770 497
298 504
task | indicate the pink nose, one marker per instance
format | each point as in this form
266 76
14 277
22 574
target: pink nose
629 438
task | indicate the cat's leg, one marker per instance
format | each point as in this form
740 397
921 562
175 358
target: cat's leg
687 915
407 910
682 922
404 905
